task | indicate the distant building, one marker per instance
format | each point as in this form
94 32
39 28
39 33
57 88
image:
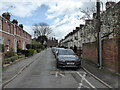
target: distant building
52 42
12 35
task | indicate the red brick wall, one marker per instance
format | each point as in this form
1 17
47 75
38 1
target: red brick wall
118 54
10 36
6 38
90 51
110 52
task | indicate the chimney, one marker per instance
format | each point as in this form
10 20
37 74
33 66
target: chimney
87 21
94 15
6 15
15 21
77 28
109 4
21 25
81 25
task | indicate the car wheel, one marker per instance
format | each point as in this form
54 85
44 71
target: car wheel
57 66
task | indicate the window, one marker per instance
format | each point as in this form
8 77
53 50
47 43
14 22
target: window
9 28
0 24
1 40
8 43
14 29
20 32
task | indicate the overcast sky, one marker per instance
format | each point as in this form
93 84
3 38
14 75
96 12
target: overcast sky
61 15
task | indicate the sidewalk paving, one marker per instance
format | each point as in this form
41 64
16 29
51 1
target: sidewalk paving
13 69
104 74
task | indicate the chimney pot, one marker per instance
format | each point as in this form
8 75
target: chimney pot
109 4
21 25
6 15
15 21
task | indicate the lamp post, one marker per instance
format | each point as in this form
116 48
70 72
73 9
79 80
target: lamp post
99 35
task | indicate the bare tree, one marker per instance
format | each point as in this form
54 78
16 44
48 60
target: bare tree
87 13
41 29
89 29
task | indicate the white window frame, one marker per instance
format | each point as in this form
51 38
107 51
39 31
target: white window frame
15 29
8 43
9 29
0 24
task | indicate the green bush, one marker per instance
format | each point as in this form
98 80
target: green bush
1 47
23 51
6 61
13 58
28 46
10 54
19 50
38 50
30 52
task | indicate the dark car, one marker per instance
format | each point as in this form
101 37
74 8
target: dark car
67 58
56 51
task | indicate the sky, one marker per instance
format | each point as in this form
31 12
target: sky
62 15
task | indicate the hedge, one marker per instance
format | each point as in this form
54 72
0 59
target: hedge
30 52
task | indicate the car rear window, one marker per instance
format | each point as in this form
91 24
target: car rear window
66 52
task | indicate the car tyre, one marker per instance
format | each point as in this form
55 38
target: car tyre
57 66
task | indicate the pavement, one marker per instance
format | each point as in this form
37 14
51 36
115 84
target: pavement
14 68
110 77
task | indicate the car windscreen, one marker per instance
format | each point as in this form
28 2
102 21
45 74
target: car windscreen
66 52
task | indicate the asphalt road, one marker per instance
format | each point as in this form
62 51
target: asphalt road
42 73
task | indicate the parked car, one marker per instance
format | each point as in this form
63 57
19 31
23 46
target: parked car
53 49
67 58
56 51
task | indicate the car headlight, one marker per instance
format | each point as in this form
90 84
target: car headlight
61 60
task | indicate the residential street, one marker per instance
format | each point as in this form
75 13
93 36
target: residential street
60 44
42 73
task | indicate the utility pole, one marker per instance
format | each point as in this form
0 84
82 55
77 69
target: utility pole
98 26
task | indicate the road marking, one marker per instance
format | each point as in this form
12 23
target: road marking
57 73
107 85
83 77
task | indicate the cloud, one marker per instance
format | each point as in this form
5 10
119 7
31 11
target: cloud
28 29
63 13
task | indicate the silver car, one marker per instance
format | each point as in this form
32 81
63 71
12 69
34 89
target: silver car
67 58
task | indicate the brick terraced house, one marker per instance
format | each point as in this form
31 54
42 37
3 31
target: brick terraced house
12 35
85 37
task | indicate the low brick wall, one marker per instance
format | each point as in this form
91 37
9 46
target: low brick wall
110 53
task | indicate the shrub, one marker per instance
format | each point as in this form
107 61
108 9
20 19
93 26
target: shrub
13 58
38 50
23 51
1 47
28 46
19 51
30 52
9 54
7 61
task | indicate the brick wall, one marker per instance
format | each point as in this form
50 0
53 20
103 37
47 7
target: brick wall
21 36
110 53
90 51
118 54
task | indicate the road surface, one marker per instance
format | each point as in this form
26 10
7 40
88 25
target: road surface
42 73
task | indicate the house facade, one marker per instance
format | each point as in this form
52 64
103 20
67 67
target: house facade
12 35
86 37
